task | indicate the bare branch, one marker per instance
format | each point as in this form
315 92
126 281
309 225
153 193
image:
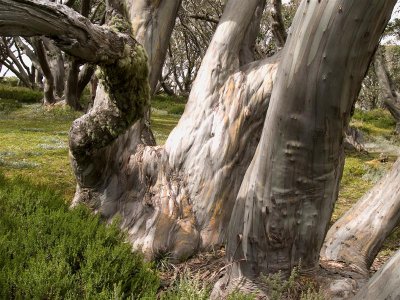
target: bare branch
72 32
204 18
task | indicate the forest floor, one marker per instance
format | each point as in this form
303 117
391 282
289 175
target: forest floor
34 146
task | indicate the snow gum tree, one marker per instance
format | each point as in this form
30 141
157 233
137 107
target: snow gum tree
257 157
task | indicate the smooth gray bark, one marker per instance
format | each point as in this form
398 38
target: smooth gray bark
356 238
384 284
286 199
178 198
152 23
72 32
247 51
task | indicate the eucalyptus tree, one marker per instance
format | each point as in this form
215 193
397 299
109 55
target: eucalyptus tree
12 58
390 93
255 160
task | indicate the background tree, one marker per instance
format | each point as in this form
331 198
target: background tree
11 57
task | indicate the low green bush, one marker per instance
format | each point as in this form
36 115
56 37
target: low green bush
11 81
379 118
48 251
20 94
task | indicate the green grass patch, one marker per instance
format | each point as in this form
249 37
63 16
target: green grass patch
8 105
34 144
377 122
48 251
361 171
20 94
170 104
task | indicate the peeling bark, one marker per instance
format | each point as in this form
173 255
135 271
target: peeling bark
178 198
277 192
288 193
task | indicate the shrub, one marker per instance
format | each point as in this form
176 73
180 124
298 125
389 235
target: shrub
188 287
20 94
50 252
10 81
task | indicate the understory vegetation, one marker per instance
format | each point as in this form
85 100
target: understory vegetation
48 251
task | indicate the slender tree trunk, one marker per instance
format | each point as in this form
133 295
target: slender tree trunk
84 78
71 85
152 23
56 64
356 238
391 96
277 24
384 284
247 50
286 199
48 89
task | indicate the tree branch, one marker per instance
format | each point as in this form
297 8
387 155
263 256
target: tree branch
204 18
72 32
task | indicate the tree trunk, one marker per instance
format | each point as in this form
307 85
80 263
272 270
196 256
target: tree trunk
56 63
247 51
356 238
71 85
178 198
287 196
391 97
384 284
84 78
152 23
277 24
48 89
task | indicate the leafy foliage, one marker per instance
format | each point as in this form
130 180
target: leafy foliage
49 252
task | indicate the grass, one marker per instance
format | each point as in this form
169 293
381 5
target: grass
171 104
361 172
377 122
34 144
